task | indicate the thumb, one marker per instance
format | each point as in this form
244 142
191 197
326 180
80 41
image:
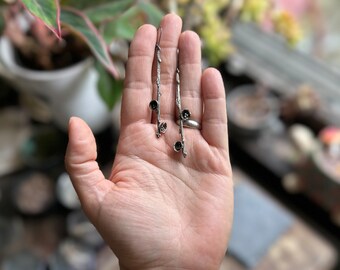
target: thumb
80 160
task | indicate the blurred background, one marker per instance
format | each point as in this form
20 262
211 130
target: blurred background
280 61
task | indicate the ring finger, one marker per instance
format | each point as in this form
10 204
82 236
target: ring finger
190 73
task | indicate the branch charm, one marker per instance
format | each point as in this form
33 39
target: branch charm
155 105
182 115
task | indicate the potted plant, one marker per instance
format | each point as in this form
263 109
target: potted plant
317 173
59 50
213 21
251 110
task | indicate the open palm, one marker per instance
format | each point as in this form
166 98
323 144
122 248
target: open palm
160 210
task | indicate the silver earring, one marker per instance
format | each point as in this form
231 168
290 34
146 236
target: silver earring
155 104
182 116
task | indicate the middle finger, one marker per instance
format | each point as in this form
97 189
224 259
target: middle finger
170 30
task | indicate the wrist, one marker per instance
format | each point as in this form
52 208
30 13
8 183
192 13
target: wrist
169 268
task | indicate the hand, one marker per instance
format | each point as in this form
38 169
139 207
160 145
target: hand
159 210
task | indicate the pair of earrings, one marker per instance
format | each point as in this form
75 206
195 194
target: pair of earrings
155 104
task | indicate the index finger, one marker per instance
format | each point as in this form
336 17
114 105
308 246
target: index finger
138 85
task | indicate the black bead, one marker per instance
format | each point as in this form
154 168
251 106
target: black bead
178 146
185 114
153 105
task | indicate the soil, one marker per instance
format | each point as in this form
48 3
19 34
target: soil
69 51
250 111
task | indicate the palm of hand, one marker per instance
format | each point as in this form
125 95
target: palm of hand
159 210
164 196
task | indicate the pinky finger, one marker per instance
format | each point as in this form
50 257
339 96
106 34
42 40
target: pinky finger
214 121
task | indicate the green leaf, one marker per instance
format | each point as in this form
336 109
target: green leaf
79 23
126 25
109 88
82 4
153 13
48 11
2 22
108 11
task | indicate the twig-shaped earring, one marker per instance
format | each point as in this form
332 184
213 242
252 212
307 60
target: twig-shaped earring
183 115
155 104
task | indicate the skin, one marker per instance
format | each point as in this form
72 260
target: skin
159 210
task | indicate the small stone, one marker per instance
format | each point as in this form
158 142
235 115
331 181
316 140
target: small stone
178 146
185 114
153 105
